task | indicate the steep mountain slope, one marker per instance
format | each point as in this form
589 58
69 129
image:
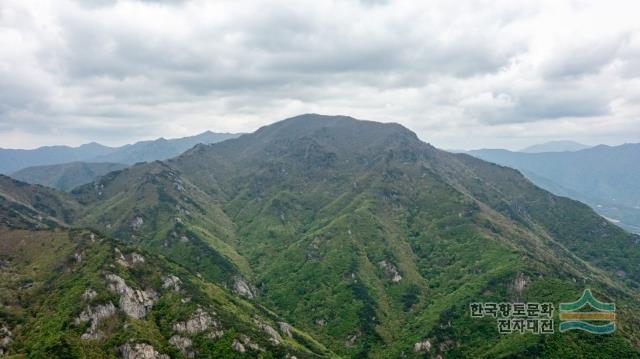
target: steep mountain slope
12 160
66 176
36 206
369 239
555 146
604 177
74 293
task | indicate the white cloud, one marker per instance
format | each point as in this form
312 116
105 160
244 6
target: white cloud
460 74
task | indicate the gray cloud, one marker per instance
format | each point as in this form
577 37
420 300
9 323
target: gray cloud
116 71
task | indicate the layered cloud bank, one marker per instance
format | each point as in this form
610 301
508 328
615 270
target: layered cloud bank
461 74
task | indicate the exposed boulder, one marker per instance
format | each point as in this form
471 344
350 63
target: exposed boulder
199 322
89 294
286 329
249 343
171 281
183 344
422 346
94 315
275 336
237 346
136 303
140 351
5 339
242 288
390 270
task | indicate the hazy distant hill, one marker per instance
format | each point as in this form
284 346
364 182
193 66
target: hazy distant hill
555 146
605 177
12 160
66 176
160 149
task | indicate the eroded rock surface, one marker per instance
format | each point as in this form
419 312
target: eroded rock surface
286 329
422 346
140 351
391 271
135 302
94 315
183 344
241 287
275 336
172 282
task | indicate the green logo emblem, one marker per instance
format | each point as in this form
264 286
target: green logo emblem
572 318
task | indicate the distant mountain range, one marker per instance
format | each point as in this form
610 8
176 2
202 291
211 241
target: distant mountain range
12 160
66 176
605 177
555 146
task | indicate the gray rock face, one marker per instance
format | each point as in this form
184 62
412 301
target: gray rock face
136 303
422 346
89 294
5 339
94 315
199 322
237 346
275 336
391 270
172 282
241 287
182 343
128 260
286 329
249 343
140 351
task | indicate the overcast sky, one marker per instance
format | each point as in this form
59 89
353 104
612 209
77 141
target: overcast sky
460 74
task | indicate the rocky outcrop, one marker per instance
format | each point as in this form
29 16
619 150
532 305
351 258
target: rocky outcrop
351 340
94 315
516 287
390 270
89 294
140 351
275 337
183 344
247 342
136 223
242 288
422 346
199 322
136 303
171 282
130 259
237 346
5 339
286 329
